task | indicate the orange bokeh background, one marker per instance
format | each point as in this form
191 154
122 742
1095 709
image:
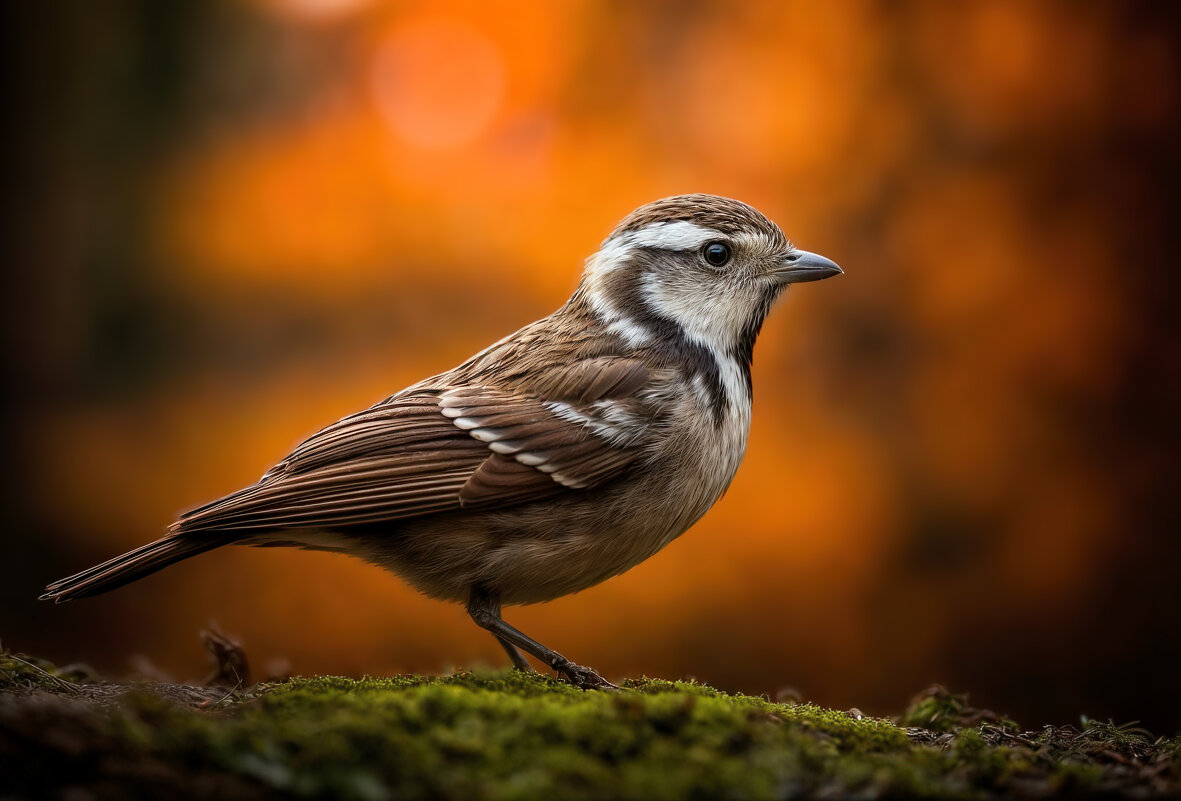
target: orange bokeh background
239 221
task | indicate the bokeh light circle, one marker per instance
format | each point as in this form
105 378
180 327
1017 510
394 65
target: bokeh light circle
437 82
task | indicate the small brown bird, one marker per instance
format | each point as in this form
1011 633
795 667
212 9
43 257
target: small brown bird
558 457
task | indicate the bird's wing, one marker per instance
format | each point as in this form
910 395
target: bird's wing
447 447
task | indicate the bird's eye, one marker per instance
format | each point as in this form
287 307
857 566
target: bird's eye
716 253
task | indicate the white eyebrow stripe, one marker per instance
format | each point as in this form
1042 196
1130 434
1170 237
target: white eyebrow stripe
673 235
676 235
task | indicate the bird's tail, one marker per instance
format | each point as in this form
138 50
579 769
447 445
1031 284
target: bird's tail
131 566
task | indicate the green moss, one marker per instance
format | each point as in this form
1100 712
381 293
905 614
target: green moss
510 735
514 735
940 710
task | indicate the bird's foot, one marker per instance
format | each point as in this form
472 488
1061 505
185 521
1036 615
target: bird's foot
582 677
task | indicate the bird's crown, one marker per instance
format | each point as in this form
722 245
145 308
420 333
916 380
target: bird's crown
709 214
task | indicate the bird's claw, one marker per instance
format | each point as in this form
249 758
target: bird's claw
583 677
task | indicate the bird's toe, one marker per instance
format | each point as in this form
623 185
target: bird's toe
584 678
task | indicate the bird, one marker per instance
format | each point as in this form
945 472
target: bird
561 456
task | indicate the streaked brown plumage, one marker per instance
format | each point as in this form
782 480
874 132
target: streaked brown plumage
560 456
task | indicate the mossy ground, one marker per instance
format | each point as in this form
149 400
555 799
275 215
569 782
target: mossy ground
510 735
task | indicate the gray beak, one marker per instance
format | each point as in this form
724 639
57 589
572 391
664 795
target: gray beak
800 266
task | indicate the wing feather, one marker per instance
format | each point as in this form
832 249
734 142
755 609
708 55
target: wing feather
437 449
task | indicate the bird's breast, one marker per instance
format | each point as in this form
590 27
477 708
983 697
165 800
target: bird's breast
543 550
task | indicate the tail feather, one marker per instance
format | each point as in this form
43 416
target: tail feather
131 566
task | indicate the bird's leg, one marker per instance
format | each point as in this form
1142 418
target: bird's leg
484 608
519 660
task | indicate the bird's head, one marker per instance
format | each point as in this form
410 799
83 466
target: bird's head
701 267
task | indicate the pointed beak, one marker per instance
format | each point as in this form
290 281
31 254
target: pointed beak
800 266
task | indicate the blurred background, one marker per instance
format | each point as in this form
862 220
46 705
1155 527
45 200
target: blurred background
231 223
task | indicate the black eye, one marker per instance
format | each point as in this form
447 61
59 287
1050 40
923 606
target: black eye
716 253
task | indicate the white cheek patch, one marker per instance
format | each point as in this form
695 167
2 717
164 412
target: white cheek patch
711 316
714 320
678 235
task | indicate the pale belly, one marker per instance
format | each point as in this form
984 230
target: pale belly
538 552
